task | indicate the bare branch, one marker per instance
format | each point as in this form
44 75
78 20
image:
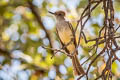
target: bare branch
38 18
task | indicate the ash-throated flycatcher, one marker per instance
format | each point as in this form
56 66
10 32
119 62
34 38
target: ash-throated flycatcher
65 35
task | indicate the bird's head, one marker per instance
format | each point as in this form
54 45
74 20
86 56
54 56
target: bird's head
58 14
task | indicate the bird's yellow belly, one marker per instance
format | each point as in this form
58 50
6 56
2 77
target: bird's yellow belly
66 36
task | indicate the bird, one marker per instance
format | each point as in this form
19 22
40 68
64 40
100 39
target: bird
66 36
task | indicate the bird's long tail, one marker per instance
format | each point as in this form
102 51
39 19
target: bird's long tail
77 68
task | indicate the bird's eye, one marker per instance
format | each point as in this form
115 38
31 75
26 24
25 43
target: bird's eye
60 14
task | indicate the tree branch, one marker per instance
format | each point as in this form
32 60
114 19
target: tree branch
38 18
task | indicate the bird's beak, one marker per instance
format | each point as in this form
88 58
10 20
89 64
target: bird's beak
51 13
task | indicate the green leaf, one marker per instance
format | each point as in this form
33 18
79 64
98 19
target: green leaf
114 67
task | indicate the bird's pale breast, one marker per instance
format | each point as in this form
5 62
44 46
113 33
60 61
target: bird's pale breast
65 34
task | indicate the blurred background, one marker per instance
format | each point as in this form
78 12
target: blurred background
26 26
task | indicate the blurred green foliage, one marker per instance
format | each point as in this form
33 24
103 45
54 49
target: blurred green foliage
20 30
